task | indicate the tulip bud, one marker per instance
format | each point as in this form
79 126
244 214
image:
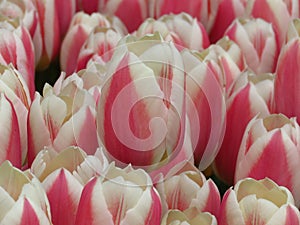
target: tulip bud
63 176
270 146
23 200
148 130
121 196
262 201
258 42
188 217
189 188
62 118
251 93
79 30
184 30
286 96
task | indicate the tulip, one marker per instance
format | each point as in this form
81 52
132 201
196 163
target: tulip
61 118
101 42
188 188
25 11
63 176
270 147
205 105
258 41
10 139
286 96
258 202
137 9
17 49
277 12
149 129
251 93
54 19
121 196
204 10
81 26
188 217
23 200
228 10
184 30
15 89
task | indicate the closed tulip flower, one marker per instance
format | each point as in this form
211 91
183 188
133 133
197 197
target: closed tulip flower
188 188
286 96
121 196
149 129
249 92
63 176
79 30
188 217
15 89
64 116
270 147
258 41
258 202
184 30
23 200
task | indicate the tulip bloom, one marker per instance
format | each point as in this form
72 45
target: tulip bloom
188 188
54 20
101 42
188 217
258 202
258 41
10 139
79 30
63 176
205 105
149 129
286 92
249 92
270 147
23 200
121 196
15 89
277 12
64 116
17 49
184 30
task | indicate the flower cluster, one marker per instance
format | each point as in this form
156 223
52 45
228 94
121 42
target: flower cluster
157 107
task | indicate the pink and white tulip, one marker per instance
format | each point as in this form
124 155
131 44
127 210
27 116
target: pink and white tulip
54 19
188 188
252 94
184 30
258 202
63 176
15 89
148 75
100 43
10 139
79 30
121 196
228 11
23 200
270 148
277 12
205 105
64 116
286 96
16 48
188 217
258 41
